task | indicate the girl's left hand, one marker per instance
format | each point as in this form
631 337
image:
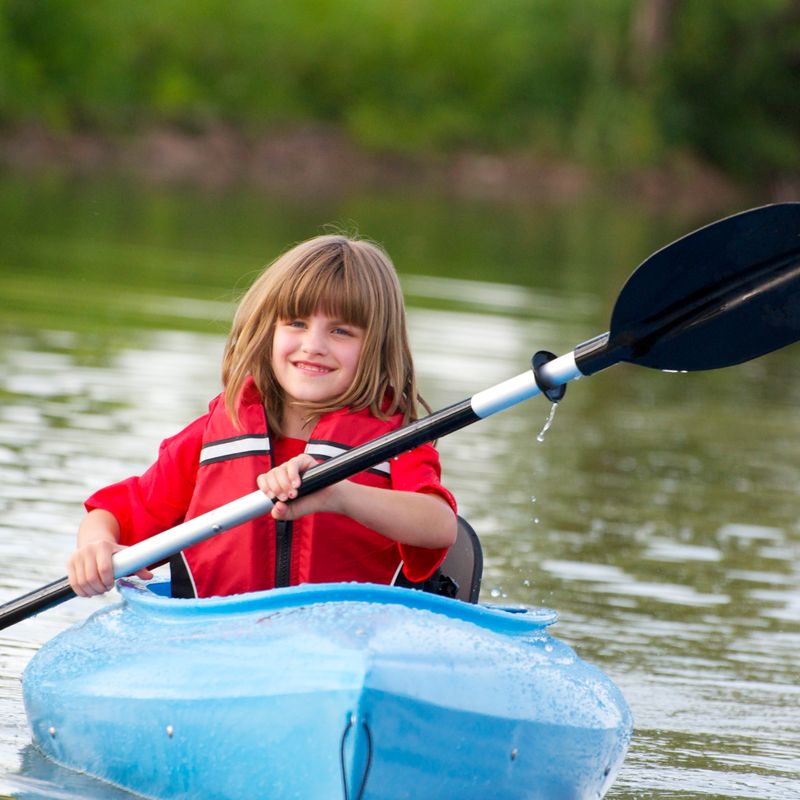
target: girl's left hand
282 483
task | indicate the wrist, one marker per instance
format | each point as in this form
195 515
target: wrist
98 527
340 499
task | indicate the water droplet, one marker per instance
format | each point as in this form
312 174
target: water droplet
548 423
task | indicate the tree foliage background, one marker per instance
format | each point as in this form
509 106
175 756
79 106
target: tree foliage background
619 84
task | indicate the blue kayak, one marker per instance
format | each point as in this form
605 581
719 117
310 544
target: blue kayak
325 691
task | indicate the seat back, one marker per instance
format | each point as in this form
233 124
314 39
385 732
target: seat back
464 562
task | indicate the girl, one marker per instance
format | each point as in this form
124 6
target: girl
317 362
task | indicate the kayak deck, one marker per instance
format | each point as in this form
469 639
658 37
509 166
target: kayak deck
325 691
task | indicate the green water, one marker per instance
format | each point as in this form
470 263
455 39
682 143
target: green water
658 515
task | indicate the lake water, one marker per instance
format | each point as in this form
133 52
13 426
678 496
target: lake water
658 516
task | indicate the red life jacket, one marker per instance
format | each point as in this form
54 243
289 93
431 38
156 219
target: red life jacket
317 548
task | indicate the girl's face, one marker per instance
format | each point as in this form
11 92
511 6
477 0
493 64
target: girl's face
315 358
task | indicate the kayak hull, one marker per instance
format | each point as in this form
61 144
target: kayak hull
318 692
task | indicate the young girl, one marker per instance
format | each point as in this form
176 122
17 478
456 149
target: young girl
317 362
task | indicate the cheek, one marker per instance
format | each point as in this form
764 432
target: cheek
354 356
280 347
277 359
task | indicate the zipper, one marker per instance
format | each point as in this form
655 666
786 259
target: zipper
283 553
283 529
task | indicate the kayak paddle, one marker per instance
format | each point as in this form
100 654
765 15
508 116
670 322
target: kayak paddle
725 294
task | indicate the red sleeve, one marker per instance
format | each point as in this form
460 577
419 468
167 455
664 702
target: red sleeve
419 470
160 497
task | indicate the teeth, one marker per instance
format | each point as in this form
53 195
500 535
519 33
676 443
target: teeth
311 368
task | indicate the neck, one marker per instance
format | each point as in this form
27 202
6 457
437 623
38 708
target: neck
296 424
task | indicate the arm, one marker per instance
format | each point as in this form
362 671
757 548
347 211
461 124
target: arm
134 509
413 518
90 569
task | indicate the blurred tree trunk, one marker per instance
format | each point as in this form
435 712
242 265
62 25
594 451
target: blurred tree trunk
651 34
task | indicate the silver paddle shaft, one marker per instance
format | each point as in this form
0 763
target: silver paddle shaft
160 548
515 390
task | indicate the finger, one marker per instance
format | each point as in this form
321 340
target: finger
276 482
305 461
294 469
281 511
284 484
105 571
85 578
267 485
301 464
76 576
296 509
94 581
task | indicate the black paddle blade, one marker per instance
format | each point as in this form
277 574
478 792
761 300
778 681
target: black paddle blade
719 296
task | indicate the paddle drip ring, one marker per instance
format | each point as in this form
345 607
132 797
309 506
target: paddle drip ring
552 393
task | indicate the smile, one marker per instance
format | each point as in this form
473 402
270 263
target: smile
316 369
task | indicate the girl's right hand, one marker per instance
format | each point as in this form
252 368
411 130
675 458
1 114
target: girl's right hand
91 571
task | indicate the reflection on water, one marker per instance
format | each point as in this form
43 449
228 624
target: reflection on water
658 516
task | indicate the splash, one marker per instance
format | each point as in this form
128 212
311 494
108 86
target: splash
548 423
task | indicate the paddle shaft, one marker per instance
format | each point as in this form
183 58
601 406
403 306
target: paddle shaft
160 547
719 296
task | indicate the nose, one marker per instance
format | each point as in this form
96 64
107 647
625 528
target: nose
314 340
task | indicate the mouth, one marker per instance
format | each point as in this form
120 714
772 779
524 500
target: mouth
310 368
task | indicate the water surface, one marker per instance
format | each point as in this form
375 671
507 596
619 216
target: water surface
658 515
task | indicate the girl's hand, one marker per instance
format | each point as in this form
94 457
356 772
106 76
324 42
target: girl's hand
281 484
91 571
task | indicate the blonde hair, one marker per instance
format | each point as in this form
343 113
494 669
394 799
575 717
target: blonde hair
351 279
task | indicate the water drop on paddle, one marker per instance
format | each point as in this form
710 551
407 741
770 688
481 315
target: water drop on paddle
548 423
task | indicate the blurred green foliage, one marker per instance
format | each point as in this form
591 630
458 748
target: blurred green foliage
568 78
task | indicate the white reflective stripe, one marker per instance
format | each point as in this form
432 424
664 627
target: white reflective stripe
382 467
234 447
323 451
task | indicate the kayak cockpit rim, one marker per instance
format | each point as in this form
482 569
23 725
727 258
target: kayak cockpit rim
152 598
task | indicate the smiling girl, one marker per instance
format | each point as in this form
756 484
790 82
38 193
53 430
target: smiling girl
317 362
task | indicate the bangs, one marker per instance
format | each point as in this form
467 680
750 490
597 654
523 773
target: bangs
331 287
